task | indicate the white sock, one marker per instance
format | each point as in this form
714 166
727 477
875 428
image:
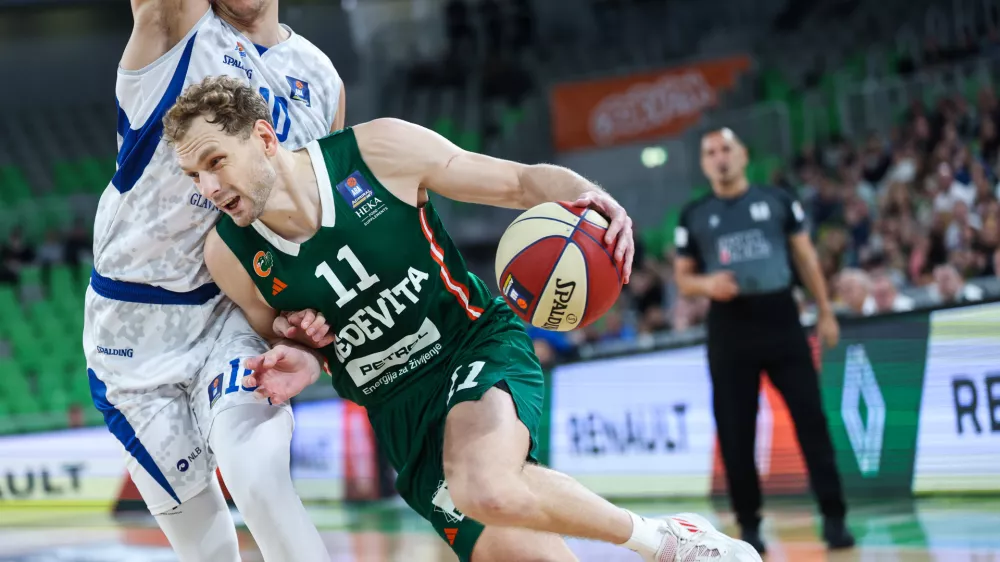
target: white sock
201 529
646 535
252 444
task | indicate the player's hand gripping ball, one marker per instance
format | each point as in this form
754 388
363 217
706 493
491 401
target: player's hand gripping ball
554 268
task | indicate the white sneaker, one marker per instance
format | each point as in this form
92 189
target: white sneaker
688 537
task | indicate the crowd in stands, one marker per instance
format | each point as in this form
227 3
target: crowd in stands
70 248
918 208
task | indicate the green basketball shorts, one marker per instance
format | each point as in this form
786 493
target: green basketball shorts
410 429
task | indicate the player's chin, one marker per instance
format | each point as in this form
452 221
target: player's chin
240 217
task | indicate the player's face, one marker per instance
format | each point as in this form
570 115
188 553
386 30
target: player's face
234 174
722 158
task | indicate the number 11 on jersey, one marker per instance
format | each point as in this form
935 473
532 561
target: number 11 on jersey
344 295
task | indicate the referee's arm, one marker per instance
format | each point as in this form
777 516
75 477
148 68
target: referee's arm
807 265
718 286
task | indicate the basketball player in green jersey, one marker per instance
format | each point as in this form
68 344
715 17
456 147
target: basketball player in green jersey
448 375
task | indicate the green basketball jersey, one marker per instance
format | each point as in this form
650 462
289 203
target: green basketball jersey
386 276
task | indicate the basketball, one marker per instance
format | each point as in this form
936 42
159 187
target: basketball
553 268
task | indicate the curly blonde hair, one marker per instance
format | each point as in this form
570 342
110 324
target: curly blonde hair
224 100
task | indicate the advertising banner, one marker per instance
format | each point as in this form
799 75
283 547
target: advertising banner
872 384
77 467
641 106
639 426
318 450
958 446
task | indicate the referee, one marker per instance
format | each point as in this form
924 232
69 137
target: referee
733 246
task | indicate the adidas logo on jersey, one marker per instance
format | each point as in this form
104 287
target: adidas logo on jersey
277 287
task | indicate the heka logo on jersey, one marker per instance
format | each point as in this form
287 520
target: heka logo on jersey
516 294
241 50
300 90
359 195
262 263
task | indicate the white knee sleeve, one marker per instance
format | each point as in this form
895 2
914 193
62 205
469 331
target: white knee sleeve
201 529
252 443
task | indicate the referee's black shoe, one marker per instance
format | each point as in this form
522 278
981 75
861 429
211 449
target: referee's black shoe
751 535
835 534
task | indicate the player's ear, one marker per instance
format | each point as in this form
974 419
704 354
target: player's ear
264 131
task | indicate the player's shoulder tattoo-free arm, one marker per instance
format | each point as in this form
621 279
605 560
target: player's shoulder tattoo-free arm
422 157
235 282
157 25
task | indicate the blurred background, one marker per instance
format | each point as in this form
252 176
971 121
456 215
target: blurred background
882 117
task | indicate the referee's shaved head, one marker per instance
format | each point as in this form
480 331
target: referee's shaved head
723 157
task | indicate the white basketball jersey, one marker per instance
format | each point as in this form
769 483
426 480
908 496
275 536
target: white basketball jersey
151 223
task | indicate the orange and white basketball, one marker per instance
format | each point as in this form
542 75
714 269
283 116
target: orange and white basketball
553 267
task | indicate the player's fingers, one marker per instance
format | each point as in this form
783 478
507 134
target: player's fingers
295 318
282 327
250 380
318 322
619 221
255 363
308 317
627 270
319 333
624 238
584 200
271 358
328 340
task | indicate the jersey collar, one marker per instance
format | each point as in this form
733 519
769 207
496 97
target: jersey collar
328 211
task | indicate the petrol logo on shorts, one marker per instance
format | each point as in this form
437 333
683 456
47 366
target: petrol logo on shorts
262 263
517 295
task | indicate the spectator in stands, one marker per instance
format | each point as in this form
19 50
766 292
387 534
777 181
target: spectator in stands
885 298
50 252
853 288
16 253
950 288
996 263
647 291
875 160
79 246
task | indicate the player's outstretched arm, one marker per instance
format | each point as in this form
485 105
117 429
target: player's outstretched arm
408 158
158 25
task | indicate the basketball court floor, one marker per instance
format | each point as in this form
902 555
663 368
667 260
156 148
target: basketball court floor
952 530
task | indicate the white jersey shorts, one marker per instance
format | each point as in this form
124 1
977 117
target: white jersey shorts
196 352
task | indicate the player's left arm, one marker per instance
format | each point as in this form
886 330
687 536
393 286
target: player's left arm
412 158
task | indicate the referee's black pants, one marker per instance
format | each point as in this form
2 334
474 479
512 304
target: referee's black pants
744 339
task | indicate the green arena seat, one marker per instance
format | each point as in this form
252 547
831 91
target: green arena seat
63 283
17 391
31 219
95 174
57 212
66 178
14 186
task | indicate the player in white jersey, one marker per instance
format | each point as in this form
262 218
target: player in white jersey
165 351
